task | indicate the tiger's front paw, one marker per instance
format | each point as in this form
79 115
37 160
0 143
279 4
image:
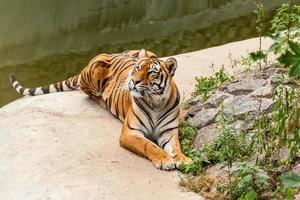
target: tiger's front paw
164 163
182 160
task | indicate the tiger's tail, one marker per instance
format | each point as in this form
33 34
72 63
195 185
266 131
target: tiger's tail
69 84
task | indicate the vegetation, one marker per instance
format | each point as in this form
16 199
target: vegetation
285 27
259 55
246 156
206 85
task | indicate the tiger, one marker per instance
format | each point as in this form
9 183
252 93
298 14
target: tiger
138 88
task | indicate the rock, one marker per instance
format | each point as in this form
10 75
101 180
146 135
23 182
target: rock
280 154
245 86
195 109
205 135
261 75
64 146
275 69
266 104
265 91
296 169
217 170
267 73
198 99
215 99
205 117
240 106
243 125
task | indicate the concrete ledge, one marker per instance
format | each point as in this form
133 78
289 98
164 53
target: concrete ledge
63 146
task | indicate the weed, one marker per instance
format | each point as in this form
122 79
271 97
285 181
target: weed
280 128
206 85
286 20
285 33
249 182
187 132
259 55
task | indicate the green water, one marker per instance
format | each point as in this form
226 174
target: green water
46 41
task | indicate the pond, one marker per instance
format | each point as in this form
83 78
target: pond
47 41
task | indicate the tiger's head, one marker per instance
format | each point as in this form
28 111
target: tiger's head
151 77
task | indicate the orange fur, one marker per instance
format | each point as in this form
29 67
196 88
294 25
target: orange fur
119 102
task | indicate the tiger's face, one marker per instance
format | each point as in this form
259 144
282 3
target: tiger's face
151 77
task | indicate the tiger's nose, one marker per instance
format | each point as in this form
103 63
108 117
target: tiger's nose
136 81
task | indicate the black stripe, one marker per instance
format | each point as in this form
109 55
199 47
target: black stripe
22 90
74 80
147 104
135 128
17 85
98 84
166 142
60 86
169 129
12 78
68 84
167 124
105 82
162 118
101 64
123 100
117 103
151 137
114 89
141 122
177 101
55 86
145 111
45 89
31 91
125 66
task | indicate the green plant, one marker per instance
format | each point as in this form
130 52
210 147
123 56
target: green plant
187 133
250 181
285 33
228 146
259 55
280 128
206 85
282 192
291 58
290 180
286 20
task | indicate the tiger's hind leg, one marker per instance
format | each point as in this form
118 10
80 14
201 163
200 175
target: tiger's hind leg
169 141
95 77
98 100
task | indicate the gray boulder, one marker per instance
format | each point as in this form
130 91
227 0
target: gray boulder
265 91
195 109
245 86
205 135
240 106
266 104
205 117
195 100
215 99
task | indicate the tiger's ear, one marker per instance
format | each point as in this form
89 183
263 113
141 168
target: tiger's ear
171 65
143 53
